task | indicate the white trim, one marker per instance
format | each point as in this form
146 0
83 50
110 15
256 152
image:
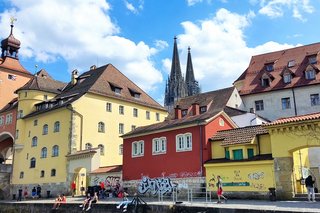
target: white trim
137 149
182 144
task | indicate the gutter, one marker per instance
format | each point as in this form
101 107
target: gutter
294 102
69 107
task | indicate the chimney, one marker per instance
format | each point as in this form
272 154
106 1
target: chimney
74 76
177 112
93 67
195 109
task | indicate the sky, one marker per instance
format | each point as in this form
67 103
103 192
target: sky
136 36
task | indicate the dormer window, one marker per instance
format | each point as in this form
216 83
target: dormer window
312 59
115 88
310 74
269 67
291 63
287 78
265 82
184 112
203 109
134 93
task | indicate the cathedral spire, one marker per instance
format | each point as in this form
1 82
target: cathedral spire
192 84
175 66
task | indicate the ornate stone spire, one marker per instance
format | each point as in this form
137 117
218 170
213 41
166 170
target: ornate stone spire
10 45
192 85
176 87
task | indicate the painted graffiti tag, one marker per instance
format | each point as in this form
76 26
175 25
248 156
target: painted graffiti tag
256 175
108 181
157 185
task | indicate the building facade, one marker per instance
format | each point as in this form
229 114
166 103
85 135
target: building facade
283 83
66 131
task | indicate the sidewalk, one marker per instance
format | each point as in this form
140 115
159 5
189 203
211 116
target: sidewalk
284 206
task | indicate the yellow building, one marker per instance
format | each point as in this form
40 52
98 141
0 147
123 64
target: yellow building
64 132
243 159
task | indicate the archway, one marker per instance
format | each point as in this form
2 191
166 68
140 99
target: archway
6 148
81 180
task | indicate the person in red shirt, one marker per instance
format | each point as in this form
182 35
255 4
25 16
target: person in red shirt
102 188
73 188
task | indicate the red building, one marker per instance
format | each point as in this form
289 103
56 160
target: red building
178 147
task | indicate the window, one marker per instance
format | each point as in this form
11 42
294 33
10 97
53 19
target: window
25 94
291 63
44 152
17 134
121 128
88 146
313 59
135 112
133 127
184 142
121 149
1 120
53 172
250 153
287 78
237 154
55 151
227 153
121 110
9 118
159 145
147 115
117 90
12 77
203 109
137 148
42 173
56 126
314 99
265 82
45 129
35 122
34 141
29 133
109 107
269 67
184 112
157 116
285 102
259 105
101 127
310 74
32 163
21 175
45 97
101 147
20 114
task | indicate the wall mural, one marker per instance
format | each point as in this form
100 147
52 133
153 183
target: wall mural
156 185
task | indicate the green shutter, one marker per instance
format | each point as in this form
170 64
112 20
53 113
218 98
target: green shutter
237 154
250 153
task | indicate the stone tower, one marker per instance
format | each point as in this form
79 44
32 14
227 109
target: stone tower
192 85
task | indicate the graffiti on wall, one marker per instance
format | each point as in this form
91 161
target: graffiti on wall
108 181
256 175
157 185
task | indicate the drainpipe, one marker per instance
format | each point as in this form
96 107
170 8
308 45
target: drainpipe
201 151
69 107
294 102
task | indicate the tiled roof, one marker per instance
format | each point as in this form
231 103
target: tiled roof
307 117
13 64
215 101
98 81
11 105
44 82
252 75
255 158
107 169
243 135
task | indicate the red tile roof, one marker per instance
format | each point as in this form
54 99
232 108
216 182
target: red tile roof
13 64
252 75
107 169
243 135
307 117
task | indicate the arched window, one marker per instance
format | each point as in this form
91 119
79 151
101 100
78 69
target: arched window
101 147
45 129
53 172
34 141
56 127
55 151
101 127
32 163
88 146
44 152
42 173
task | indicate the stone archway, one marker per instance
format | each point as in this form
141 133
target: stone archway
81 180
6 148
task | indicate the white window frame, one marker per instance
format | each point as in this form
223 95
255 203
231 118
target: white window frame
108 107
137 149
159 146
1 120
135 112
157 116
184 142
310 74
121 128
287 78
121 110
9 118
148 115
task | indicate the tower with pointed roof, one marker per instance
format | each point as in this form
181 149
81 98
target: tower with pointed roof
176 86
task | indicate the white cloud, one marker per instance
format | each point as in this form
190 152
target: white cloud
82 33
160 44
132 8
276 8
218 48
193 2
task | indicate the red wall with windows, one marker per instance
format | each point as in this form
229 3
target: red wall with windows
171 164
11 128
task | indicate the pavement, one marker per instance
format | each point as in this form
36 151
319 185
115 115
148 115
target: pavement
284 206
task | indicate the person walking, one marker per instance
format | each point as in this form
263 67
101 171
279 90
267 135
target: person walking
73 188
310 188
220 190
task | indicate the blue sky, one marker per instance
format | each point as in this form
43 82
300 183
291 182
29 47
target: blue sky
137 35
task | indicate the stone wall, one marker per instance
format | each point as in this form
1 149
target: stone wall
5 175
283 177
